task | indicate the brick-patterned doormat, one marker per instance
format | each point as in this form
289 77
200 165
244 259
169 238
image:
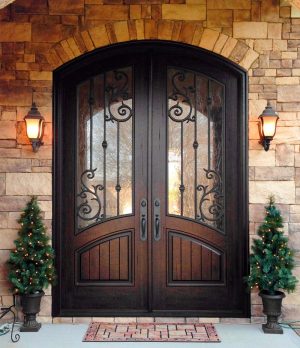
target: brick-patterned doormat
150 332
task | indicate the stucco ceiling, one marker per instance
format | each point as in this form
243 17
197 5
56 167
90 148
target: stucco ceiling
4 3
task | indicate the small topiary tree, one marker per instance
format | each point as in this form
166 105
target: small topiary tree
271 261
31 262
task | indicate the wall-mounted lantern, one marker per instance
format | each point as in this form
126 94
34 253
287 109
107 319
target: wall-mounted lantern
35 123
268 121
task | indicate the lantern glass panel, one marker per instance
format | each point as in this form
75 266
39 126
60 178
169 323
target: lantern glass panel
34 128
269 126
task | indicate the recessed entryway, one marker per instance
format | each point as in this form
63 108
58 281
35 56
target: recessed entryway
150 183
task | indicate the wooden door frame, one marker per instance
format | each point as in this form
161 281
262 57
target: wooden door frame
57 190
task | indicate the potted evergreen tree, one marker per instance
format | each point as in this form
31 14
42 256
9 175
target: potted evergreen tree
31 264
271 264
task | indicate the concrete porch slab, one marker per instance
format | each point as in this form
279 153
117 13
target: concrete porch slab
232 336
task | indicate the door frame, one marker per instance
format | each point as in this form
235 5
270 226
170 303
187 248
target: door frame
62 73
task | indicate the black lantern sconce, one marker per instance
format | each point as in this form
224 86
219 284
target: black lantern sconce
268 122
35 123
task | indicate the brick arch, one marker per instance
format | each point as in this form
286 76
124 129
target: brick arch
179 31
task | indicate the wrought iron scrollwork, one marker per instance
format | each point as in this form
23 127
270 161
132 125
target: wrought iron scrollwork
115 94
88 196
5 310
181 109
211 207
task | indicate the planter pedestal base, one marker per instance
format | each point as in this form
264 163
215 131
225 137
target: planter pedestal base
30 324
272 329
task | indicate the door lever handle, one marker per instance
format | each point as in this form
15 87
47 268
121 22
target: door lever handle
143 219
156 212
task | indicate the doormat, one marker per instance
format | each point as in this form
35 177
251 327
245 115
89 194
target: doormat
150 332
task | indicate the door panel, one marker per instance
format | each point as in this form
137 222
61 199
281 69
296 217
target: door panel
151 182
107 261
192 262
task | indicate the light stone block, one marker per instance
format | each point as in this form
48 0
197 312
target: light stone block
229 4
8 130
15 165
15 32
279 45
229 46
260 191
263 45
254 132
295 12
256 107
256 212
184 12
3 220
13 218
295 209
45 205
28 184
106 12
46 306
294 235
41 75
285 155
7 237
289 55
250 30
288 93
274 173
290 80
8 116
62 320
82 320
261 158
274 30
220 43
99 36
249 58
287 135
295 218
121 31
208 39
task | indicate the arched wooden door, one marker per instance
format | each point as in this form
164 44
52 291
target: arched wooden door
150 183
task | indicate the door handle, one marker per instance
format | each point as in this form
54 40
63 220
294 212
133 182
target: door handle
156 224
143 219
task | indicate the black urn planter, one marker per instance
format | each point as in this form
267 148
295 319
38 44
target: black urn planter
272 309
31 304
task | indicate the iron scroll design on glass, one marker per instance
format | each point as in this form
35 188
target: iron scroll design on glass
84 209
215 208
115 95
195 147
104 105
181 95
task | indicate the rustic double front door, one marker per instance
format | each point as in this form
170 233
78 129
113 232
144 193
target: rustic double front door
150 184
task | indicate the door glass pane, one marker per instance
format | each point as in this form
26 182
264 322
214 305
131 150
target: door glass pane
104 150
195 147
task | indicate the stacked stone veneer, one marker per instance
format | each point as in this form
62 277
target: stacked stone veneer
36 36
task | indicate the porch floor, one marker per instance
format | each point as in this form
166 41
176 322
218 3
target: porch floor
232 336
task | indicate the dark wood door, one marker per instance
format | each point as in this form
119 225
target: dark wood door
150 184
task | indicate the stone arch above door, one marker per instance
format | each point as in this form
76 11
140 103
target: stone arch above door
85 41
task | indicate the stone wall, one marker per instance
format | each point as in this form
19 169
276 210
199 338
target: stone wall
37 36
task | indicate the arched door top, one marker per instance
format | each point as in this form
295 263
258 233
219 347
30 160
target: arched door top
236 51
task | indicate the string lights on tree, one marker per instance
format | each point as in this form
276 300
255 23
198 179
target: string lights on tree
31 266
